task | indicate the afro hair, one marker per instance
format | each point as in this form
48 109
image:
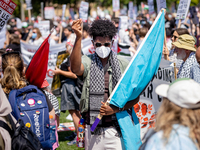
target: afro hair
103 28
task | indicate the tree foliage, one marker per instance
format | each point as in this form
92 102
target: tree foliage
103 3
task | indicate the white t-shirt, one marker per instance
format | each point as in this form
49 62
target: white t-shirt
36 42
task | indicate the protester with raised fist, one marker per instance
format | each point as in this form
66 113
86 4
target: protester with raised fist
100 71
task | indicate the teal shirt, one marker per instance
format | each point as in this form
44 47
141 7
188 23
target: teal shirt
86 61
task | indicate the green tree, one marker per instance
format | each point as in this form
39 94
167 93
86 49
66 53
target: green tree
17 11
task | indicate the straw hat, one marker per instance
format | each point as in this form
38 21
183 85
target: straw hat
185 41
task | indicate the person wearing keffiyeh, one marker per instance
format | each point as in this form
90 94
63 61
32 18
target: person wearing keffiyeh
185 49
101 71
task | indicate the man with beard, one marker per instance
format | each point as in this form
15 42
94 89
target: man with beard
185 49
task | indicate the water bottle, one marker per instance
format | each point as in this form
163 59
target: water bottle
81 134
52 129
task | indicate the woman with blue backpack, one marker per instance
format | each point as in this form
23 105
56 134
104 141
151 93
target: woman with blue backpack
28 102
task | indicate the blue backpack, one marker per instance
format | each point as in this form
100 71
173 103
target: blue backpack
29 104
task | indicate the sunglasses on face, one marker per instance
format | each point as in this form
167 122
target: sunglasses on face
100 44
175 37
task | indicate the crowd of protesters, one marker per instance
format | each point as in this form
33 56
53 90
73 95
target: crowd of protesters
87 81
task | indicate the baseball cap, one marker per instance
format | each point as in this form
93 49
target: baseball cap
183 92
185 41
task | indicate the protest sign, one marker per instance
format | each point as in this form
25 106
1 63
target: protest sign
2 36
71 11
135 12
183 9
29 50
130 7
83 11
123 22
7 8
63 11
116 5
142 7
161 4
130 14
150 102
28 5
151 6
44 27
49 12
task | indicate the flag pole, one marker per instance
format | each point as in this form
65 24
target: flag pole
29 15
61 29
165 40
99 117
179 23
175 72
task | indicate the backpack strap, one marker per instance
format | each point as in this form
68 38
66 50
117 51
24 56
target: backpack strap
6 127
13 125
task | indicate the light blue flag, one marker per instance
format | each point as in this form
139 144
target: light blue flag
143 66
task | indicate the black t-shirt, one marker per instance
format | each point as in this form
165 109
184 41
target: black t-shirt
64 67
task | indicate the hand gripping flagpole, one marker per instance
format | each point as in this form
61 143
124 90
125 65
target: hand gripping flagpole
99 117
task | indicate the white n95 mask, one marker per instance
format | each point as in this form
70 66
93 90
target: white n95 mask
103 51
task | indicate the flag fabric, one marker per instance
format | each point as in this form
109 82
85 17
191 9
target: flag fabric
37 68
140 71
123 49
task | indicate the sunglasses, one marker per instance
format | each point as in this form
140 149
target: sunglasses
175 37
100 44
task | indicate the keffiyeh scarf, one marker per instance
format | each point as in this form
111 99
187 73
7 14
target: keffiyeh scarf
97 82
184 71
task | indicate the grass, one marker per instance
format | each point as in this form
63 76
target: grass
61 135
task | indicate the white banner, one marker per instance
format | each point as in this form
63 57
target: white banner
83 11
161 4
151 6
63 11
49 12
44 27
116 5
7 8
183 9
135 12
28 4
29 50
150 102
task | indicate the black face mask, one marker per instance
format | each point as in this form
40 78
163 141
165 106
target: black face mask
116 28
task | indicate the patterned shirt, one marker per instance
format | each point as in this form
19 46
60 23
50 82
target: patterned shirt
179 139
184 71
54 102
195 72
